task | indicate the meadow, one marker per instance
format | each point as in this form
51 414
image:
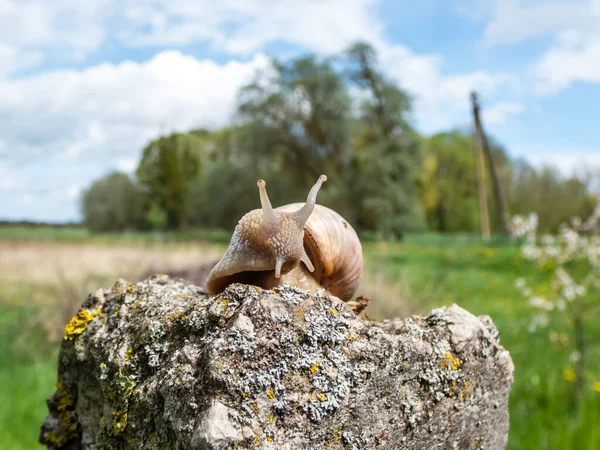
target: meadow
46 273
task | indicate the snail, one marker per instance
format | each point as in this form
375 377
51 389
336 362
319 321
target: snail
304 245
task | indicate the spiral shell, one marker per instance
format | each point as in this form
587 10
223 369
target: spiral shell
334 249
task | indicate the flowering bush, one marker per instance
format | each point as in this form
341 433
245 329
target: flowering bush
572 259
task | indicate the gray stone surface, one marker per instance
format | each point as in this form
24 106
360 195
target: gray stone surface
160 364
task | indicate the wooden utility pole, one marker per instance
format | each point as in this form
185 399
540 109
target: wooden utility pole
484 215
485 146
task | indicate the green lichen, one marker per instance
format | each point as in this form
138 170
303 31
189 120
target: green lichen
125 386
118 391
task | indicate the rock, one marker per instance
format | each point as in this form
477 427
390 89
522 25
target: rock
194 274
160 364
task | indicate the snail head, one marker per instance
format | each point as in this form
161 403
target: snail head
265 240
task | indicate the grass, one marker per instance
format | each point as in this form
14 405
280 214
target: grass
411 277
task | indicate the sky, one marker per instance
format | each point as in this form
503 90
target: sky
84 85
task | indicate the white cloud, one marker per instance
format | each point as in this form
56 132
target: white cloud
66 28
517 20
239 26
127 165
569 162
110 110
499 113
8 180
11 60
66 127
71 29
572 25
73 191
440 101
568 62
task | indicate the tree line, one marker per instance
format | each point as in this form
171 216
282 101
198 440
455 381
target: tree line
340 116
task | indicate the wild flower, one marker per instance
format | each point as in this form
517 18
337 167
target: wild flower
572 259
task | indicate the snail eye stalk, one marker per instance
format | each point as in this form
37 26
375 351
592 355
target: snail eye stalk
301 216
269 215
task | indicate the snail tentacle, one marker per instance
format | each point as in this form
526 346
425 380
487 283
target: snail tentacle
269 216
278 265
301 216
306 260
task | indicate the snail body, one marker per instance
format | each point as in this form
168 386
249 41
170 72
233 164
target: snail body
301 244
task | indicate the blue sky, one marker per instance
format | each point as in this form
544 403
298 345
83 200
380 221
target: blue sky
84 85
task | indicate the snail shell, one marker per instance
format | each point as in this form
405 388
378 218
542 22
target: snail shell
304 245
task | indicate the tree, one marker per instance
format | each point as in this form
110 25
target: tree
553 197
389 152
167 167
448 183
297 117
113 203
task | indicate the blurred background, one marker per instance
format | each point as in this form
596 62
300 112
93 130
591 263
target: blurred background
132 135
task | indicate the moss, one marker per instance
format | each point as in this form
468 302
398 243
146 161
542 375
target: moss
79 323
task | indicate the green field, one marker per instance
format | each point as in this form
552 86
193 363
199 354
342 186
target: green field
44 274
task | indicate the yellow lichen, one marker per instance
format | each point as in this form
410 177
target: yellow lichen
178 315
79 323
119 420
466 391
314 367
322 397
271 393
128 354
450 362
223 302
335 438
333 310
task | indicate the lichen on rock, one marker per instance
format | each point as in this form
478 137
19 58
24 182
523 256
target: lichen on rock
160 364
